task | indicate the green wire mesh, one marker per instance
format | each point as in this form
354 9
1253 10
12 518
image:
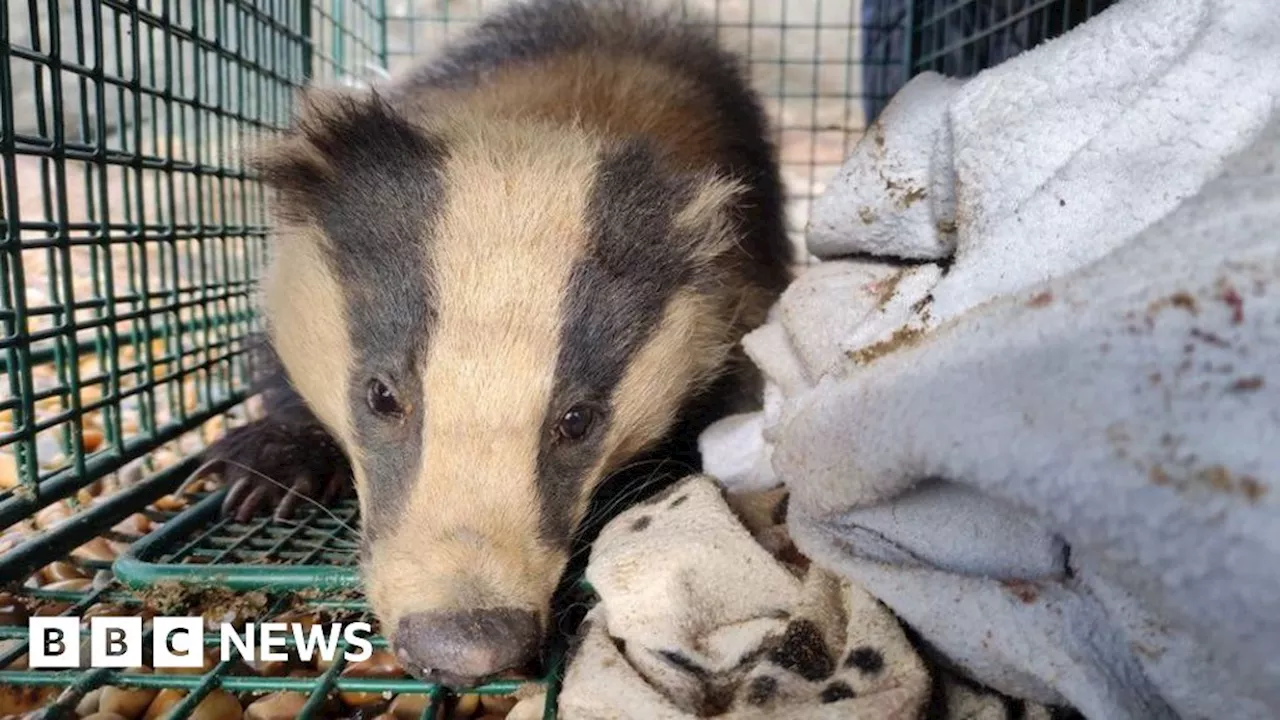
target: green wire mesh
305 690
132 235
804 59
961 37
296 570
314 550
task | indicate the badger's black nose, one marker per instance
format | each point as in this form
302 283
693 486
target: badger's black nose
463 647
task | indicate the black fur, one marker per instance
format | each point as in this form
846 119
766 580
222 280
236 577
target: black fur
614 300
378 220
529 31
372 182
288 445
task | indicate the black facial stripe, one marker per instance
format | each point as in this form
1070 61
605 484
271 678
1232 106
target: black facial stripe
614 299
377 213
530 32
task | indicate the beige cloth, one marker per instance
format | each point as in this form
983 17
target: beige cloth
696 618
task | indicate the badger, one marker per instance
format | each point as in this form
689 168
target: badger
496 282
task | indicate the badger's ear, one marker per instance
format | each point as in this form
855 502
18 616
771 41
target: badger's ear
293 162
708 218
336 133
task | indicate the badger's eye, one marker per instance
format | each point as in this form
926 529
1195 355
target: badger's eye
382 401
575 423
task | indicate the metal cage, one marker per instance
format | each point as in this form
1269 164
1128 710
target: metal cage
132 236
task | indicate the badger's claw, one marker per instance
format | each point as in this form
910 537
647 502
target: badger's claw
266 464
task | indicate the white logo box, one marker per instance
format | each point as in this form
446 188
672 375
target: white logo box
177 642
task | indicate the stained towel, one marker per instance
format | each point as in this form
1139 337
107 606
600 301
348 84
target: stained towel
696 619
1056 460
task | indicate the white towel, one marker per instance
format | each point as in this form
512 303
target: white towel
696 619
1093 379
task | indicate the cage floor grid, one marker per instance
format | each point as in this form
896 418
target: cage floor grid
198 563
288 689
315 550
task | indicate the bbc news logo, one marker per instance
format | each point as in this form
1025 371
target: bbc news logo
178 642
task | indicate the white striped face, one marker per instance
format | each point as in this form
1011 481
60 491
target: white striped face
490 318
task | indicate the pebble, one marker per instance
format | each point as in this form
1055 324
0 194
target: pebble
135 524
132 473
90 393
164 458
163 703
381 664
303 618
110 484
88 705
411 706
254 408
107 610
218 705
467 705
8 471
89 367
91 439
498 705
119 548
62 570
10 540
271 668
52 515
283 705
169 503
71 585
130 703
215 426
95 549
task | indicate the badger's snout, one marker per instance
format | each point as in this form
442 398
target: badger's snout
463 647
466 604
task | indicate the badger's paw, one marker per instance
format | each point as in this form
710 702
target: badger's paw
267 464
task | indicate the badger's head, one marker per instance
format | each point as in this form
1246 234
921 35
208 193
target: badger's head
491 316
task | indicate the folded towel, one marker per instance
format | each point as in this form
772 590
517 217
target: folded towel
696 619
1050 160
889 199
1057 464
